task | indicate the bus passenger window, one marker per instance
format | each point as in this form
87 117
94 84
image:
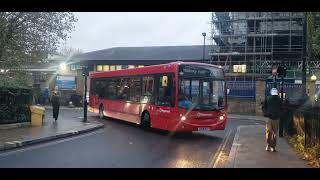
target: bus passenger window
111 89
134 89
147 90
93 87
123 89
100 88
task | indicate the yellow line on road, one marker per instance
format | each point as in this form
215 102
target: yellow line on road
220 150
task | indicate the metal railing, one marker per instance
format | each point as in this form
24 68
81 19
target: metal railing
302 120
14 105
242 89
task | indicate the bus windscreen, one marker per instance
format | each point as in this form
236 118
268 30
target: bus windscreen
201 88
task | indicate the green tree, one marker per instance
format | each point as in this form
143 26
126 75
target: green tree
28 37
19 79
313 34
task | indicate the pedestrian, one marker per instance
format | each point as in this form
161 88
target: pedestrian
37 95
273 110
55 100
46 95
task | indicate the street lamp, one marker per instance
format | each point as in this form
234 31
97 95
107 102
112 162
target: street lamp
204 44
63 66
313 78
85 73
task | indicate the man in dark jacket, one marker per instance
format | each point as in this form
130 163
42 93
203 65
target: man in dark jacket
55 104
273 111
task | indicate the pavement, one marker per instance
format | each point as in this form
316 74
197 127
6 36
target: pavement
65 126
248 151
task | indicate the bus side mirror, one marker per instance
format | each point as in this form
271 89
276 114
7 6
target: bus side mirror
228 91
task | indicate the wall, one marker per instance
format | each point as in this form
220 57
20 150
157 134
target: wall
241 106
260 96
249 106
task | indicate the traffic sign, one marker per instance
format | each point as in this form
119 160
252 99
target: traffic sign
274 70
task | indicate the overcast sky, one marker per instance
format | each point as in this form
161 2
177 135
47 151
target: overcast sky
95 30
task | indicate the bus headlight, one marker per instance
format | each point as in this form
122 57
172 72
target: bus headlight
221 118
183 118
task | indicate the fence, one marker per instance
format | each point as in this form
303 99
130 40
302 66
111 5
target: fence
312 126
292 90
14 105
317 92
242 89
302 120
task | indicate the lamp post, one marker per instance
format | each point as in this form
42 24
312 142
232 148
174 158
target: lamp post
85 73
204 44
313 78
63 66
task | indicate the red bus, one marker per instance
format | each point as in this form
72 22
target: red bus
179 96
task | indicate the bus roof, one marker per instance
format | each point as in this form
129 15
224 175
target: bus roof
153 69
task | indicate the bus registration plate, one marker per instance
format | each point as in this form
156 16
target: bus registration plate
203 129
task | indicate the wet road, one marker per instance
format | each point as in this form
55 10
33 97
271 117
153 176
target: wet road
122 144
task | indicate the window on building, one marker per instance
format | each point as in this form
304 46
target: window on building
240 68
243 68
124 66
112 67
105 67
141 66
75 67
118 67
99 68
130 66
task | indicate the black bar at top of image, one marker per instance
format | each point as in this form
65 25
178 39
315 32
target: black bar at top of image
159 5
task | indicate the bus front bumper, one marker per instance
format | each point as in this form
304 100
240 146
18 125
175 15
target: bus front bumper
188 126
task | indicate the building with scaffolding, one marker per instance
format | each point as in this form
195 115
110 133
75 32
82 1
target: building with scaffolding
248 43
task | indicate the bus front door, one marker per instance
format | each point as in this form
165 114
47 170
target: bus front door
94 103
165 100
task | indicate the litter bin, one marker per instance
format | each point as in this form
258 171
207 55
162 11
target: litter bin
37 115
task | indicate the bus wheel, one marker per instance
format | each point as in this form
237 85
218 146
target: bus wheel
101 115
146 121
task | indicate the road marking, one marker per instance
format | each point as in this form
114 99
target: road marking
45 144
216 157
222 149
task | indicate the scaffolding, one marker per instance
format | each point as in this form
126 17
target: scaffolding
257 40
